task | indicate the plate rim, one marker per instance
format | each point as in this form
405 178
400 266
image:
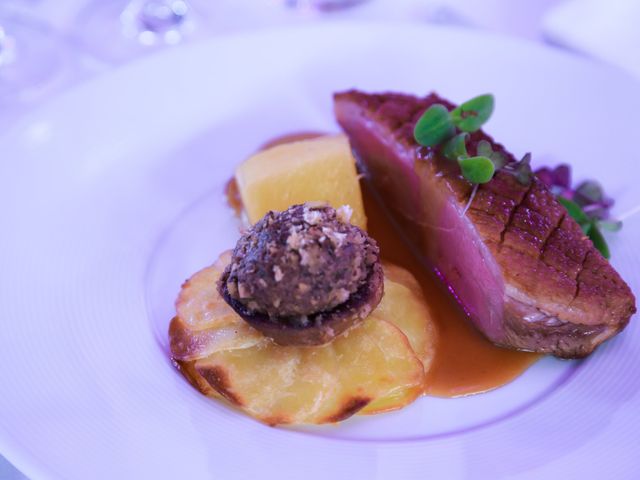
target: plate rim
26 461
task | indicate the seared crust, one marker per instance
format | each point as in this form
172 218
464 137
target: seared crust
323 326
560 295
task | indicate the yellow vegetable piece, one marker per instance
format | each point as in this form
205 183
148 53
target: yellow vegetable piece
320 169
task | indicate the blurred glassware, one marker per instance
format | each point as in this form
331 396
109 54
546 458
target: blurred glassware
117 30
604 29
32 59
322 5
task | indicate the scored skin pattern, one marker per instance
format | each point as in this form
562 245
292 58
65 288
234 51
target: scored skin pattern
549 257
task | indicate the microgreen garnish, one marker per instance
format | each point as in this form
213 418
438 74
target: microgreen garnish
449 130
598 240
524 174
521 169
610 225
586 204
575 211
591 226
589 192
484 148
471 115
437 127
498 159
434 126
456 147
477 169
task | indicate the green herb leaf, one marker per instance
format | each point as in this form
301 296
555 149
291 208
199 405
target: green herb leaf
477 169
575 211
598 241
589 191
484 148
456 147
471 115
498 159
610 225
521 170
434 126
524 174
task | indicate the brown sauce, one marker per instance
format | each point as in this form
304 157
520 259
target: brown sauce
465 362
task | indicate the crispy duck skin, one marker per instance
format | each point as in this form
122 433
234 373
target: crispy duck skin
519 265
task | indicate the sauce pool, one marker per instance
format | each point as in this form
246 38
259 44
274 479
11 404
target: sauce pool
465 362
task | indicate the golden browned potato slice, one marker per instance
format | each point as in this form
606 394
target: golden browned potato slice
376 366
324 384
405 307
204 323
402 276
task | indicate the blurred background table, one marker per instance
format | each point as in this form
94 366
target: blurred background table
48 46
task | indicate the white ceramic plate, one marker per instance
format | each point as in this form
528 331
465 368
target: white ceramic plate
112 196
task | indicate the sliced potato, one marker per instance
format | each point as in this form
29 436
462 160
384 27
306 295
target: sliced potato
189 372
405 307
329 383
204 323
376 366
400 275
